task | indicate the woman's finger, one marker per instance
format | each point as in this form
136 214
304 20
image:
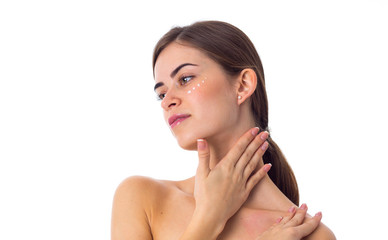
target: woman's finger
255 178
203 169
290 214
254 161
309 225
245 160
241 145
299 216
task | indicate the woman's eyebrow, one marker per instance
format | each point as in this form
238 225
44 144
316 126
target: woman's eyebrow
159 84
173 73
176 70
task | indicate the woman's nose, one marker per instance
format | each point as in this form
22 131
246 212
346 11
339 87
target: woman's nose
170 101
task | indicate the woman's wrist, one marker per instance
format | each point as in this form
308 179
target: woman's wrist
203 225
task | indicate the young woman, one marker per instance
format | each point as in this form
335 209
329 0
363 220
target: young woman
210 81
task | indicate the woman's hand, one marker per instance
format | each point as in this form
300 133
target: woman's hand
220 192
294 226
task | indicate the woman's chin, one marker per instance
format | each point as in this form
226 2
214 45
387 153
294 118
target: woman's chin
190 147
188 144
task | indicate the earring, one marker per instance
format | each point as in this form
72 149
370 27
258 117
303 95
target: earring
239 97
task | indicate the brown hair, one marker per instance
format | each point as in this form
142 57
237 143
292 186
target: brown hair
232 49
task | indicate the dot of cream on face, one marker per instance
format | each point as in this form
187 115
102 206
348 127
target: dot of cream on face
198 85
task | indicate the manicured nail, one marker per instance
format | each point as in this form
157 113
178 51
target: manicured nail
292 209
264 146
318 214
264 135
201 145
267 167
303 206
255 131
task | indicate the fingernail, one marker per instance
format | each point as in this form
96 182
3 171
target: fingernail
255 131
264 146
201 145
292 209
303 206
279 219
318 214
264 136
267 167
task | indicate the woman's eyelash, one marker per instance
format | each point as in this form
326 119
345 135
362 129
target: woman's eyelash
185 79
160 97
182 81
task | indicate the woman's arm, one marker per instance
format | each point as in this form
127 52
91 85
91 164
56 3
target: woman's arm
220 192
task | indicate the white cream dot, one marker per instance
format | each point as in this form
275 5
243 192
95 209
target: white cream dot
189 91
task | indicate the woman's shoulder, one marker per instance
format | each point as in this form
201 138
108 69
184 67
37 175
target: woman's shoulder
141 186
135 200
146 188
321 233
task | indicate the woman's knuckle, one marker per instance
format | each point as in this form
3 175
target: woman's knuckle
251 167
294 222
250 152
292 232
236 178
241 147
226 166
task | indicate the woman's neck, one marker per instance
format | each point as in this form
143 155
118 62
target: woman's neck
221 144
265 195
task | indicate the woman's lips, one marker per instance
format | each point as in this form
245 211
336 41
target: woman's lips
176 119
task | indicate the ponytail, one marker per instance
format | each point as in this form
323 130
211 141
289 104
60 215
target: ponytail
281 173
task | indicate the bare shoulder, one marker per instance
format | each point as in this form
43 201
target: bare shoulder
321 233
144 188
137 187
132 205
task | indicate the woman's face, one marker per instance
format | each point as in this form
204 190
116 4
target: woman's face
199 99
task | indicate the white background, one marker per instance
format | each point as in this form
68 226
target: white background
78 112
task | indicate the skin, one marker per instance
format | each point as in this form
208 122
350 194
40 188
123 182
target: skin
153 209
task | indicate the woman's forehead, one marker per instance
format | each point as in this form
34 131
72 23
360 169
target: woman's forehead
174 55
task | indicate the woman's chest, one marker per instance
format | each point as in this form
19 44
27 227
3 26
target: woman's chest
170 221
248 224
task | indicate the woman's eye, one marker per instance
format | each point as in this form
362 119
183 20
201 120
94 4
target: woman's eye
185 79
160 96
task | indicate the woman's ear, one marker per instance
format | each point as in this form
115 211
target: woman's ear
246 84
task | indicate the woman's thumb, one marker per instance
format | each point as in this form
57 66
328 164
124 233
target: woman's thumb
203 156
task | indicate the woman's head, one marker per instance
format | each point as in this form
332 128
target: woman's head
199 99
216 70
231 49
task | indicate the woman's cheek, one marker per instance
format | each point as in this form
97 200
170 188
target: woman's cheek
197 88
